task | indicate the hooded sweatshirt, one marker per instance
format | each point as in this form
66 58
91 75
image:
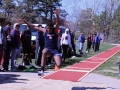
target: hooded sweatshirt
66 40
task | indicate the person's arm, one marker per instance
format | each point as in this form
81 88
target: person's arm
12 39
62 39
33 26
79 39
57 20
69 40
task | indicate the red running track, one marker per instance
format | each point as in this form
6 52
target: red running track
78 71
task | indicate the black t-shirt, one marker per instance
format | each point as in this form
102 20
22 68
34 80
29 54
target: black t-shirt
26 38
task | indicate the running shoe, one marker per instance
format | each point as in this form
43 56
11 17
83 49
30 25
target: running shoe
40 73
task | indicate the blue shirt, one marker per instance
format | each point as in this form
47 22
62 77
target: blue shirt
97 39
51 40
40 38
15 39
81 39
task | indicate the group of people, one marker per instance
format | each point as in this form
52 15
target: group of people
50 43
9 44
11 41
93 41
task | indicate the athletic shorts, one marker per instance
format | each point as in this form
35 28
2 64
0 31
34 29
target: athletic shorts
53 52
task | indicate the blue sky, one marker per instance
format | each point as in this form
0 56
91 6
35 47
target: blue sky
75 6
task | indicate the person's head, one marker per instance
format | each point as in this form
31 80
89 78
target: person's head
67 31
16 26
8 24
82 33
2 22
59 32
50 27
98 34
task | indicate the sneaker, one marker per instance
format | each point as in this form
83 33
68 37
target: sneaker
40 73
23 64
56 68
49 65
86 51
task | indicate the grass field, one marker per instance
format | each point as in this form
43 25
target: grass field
109 68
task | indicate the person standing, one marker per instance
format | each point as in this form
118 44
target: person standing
89 43
51 40
72 41
66 44
15 41
81 40
2 38
97 42
7 47
26 46
40 43
59 41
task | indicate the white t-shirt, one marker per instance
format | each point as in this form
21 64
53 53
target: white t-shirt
0 35
66 39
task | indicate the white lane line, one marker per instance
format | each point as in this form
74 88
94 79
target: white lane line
90 62
75 70
103 52
105 60
83 76
78 68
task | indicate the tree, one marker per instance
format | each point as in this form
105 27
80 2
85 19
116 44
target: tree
31 10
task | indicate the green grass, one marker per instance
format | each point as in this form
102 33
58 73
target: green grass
109 68
69 61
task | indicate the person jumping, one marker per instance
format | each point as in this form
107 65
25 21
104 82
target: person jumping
51 40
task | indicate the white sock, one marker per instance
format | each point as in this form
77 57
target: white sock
23 64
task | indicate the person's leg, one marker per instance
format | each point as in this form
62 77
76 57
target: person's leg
63 53
37 51
65 50
89 45
39 56
1 52
73 47
23 57
95 47
98 46
87 48
45 54
81 48
6 59
17 55
13 56
58 60
30 59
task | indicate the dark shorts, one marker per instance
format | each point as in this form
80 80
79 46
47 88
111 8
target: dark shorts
27 49
53 52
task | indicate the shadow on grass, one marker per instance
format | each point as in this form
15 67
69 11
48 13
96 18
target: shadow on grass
86 88
11 78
